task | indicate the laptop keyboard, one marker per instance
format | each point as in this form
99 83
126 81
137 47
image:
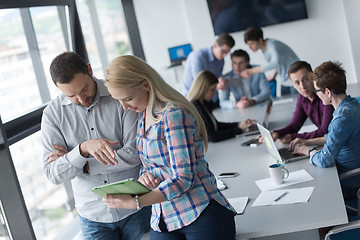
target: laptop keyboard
287 156
253 128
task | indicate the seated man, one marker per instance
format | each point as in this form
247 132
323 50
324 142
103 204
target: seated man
210 58
308 105
247 92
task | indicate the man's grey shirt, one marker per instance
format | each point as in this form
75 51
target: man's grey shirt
67 124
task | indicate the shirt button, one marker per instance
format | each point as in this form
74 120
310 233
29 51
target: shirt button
324 153
105 181
92 129
88 110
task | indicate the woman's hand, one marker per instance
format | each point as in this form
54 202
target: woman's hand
149 180
124 201
246 124
296 141
302 149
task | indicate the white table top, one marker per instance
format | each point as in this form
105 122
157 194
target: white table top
325 207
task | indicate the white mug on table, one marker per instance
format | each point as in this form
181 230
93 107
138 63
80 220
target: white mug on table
278 173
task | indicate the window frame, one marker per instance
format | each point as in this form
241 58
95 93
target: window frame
15 210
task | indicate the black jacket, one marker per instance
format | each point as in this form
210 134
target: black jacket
223 131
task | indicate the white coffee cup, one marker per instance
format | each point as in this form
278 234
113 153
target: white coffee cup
278 173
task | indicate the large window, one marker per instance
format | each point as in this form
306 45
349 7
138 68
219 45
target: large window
4 231
18 88
30 37
105 33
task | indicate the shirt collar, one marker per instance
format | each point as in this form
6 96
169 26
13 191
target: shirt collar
210 54
101 91
345 100
305 99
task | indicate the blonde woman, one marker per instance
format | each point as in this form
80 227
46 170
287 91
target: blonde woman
171 142
201 92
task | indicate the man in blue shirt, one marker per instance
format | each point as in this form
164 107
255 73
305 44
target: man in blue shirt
278 55
341 146
247 92
211 59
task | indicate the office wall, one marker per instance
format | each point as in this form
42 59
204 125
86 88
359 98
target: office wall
323 36
352 8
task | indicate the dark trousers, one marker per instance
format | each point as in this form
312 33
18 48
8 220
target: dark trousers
214 223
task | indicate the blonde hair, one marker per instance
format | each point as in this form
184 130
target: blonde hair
130 71
201 84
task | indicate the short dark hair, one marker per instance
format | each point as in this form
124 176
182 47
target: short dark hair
225 39
64 67
240 53
296 66
253 34
330 75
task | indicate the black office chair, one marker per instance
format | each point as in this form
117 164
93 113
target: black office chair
350 230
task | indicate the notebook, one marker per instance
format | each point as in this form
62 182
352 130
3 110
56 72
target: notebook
283 155
253 130
178 54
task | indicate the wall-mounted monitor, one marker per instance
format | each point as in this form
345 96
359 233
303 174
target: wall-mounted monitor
238 15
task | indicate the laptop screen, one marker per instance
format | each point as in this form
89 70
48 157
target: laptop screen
179 53
267 113
269 142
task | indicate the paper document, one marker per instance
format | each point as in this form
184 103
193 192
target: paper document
294 178
239 203
277 197
281 101
308 128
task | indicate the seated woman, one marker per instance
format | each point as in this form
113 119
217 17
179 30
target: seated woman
202 91
341 146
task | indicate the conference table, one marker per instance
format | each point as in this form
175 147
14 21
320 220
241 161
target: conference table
289 221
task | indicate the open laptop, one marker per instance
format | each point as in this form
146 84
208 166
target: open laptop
283 155
253 130
178 54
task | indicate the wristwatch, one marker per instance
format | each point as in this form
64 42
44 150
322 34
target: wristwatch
311 149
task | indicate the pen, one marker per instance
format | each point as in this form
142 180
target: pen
281 196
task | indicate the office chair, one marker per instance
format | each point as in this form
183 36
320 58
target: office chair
350 230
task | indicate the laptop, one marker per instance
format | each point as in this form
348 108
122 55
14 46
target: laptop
253 130
283 155
178 54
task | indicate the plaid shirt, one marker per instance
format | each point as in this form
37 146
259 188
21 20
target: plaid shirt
172 150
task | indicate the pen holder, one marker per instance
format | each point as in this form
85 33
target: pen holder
278 173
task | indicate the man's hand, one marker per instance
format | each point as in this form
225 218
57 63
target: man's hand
297 141
244 103
58 152
286 138
222 84
247 73
149 180
100 149
274 136
302 149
